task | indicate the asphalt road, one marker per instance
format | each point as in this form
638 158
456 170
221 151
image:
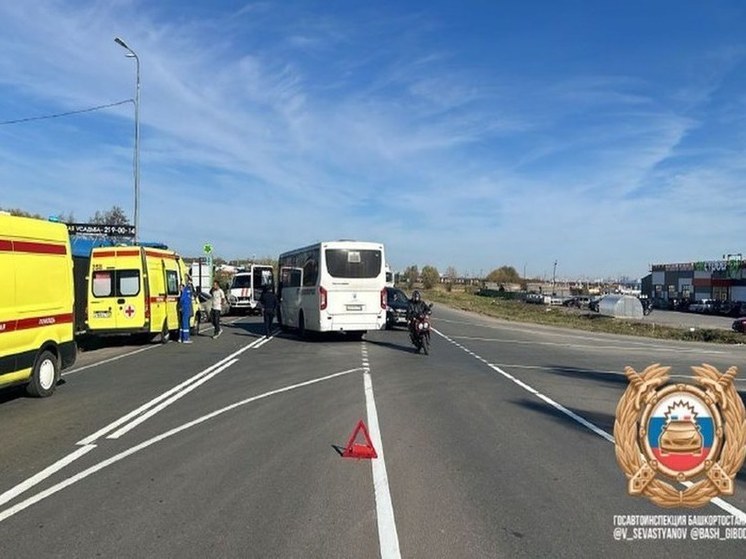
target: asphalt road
495 445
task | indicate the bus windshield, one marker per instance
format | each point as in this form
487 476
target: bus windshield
353 263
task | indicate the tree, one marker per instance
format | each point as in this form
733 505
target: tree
451 275
21 213
66 217
430 277
504 274
114 216
411 275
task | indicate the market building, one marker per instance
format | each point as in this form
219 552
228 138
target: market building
720 280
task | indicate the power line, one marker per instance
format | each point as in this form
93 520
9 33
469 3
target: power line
58 115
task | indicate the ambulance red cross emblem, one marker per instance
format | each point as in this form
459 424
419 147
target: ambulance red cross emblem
129 311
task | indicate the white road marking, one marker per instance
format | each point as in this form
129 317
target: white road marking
547 331
263 341
116 358
592 347
181 393
125 418
387 536
580 371
15 509
594 428
44 474
84 367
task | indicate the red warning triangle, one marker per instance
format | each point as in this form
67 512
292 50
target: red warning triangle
357 450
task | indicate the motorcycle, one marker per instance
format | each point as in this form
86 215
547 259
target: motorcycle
419 332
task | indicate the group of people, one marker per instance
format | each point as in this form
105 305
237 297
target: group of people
268 301
187 295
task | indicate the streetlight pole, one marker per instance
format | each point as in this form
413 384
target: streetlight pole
132 54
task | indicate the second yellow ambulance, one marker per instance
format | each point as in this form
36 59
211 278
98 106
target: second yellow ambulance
134 290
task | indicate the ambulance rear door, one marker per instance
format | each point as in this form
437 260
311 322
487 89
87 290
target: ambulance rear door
117 297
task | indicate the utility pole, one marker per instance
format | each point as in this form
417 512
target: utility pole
132 54
554 279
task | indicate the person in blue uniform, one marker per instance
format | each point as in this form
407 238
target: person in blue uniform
185 313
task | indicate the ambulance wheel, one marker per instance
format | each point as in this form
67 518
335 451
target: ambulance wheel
44 376
194 330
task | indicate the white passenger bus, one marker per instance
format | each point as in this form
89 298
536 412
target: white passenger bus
336 286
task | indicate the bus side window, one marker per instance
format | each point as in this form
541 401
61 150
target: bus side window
295 278
291 277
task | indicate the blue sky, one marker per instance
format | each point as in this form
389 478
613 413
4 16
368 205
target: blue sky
604 135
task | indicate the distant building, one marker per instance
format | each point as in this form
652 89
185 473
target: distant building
722 280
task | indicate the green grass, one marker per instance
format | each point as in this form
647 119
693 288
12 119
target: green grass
519 311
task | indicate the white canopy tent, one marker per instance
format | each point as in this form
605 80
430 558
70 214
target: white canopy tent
620 306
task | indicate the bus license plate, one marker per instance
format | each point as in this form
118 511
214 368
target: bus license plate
354 307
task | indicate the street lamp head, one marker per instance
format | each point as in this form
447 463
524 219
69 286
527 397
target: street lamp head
119 41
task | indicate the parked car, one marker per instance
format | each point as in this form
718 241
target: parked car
703 306
593 304
578 302
205 306
731 308
396 307
535 298
739 324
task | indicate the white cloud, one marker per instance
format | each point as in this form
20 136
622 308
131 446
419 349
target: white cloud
264 128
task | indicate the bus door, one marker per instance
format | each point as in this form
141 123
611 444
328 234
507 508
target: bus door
291 280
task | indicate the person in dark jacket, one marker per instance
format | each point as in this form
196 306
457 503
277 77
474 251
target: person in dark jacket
415 308
268 300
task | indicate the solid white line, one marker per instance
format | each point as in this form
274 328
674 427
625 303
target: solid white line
265 340
387 536
44 474
125 418
84 367
579 371
591 347
600 432
150 413
7 513
90 366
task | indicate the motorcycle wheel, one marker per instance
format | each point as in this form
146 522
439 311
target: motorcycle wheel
426 344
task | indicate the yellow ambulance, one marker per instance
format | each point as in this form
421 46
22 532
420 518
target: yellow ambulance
36 303
135 290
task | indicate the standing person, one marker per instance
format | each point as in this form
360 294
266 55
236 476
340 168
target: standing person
268 299
185 313
218 300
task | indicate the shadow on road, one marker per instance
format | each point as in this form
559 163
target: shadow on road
255 329
409 348
587 374
604 421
